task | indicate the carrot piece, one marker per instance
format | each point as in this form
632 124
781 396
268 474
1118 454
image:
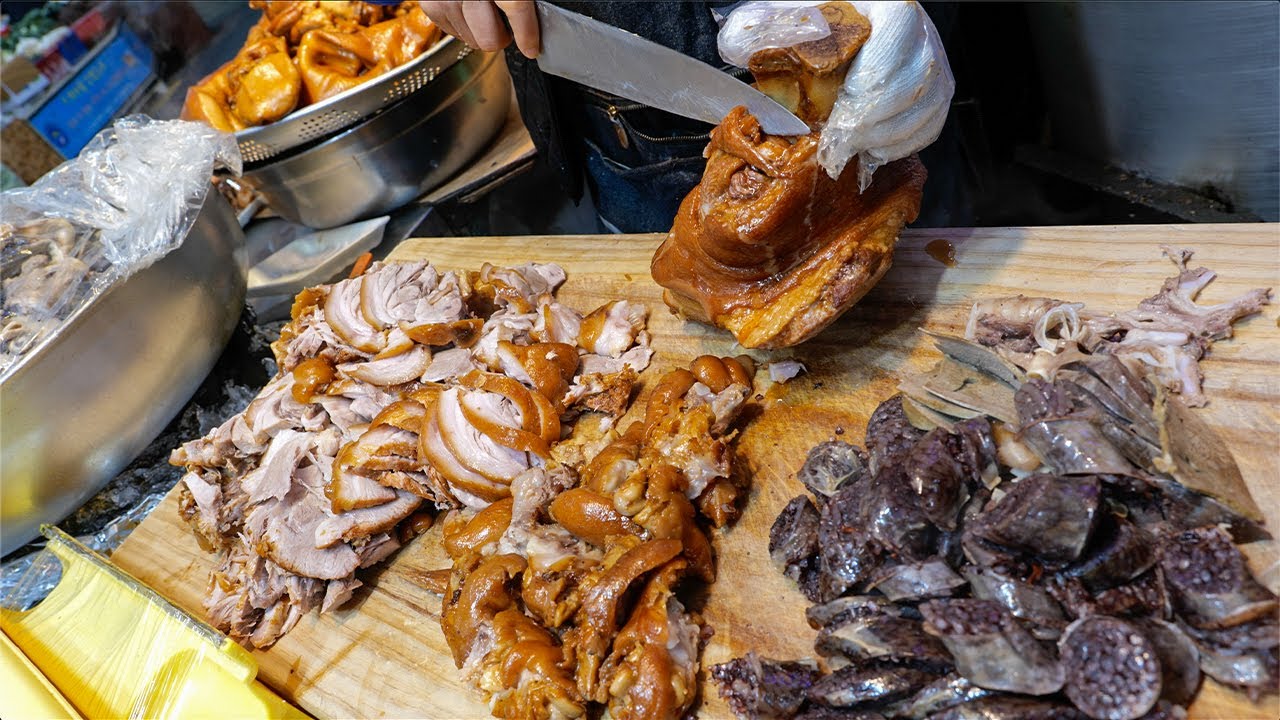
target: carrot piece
362 264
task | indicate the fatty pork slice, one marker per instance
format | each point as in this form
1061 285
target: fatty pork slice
343 313
556 322
384 459
505 325
309 334
367 399
384 370
473 448
546 368
414 293
449 365
365 522
518 288
301 531
464 441
398 298
612 328
366 311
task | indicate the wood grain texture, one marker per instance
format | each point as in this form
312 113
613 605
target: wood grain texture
384 656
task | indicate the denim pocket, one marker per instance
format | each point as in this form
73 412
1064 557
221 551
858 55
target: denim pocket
642 198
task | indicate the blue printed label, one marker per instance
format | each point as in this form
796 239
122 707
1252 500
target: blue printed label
70 119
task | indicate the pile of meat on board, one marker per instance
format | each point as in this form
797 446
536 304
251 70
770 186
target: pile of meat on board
399 392
406 391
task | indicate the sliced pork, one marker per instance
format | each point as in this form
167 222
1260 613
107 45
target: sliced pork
401 389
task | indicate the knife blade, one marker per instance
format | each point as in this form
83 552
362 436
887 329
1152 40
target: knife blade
604 57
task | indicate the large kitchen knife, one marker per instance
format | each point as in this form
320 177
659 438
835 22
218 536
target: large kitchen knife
603 57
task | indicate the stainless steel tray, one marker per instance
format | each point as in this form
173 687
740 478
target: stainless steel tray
345 109
82 404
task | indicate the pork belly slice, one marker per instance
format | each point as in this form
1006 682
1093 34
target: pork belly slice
363 522
396 369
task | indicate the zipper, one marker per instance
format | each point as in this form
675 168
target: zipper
618 128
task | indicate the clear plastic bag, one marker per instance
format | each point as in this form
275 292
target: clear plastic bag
750 27
125 202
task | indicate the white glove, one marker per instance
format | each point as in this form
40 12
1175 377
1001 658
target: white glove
895 96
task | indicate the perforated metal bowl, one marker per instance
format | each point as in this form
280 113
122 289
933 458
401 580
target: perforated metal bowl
345 109
395 156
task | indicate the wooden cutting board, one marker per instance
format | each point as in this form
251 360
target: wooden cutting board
384 656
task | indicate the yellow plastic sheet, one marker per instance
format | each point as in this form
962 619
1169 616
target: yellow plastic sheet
114 648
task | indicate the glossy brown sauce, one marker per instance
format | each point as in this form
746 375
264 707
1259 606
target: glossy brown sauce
310 377
942 251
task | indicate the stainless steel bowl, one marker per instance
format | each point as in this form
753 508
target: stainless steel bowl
349 107
395 156
82 404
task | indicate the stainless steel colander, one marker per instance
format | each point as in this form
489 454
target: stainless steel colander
344 110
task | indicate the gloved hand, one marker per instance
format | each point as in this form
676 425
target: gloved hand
895 95
479 23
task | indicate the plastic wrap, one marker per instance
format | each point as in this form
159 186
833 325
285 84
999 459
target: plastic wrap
895 96
125 202
754 26
112 647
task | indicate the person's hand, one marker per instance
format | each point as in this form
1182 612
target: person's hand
478 23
